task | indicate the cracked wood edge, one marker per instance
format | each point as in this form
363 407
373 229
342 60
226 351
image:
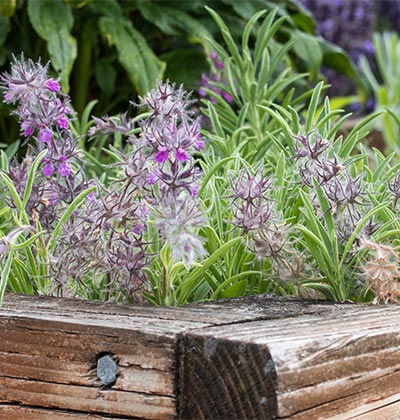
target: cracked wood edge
305 368
13 412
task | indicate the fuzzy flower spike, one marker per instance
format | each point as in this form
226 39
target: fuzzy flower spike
43 112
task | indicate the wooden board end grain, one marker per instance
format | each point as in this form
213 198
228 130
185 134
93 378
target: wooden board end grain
335 365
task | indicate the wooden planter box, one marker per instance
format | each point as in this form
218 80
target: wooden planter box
263 357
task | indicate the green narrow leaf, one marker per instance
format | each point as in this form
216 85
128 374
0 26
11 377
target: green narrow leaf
31 177
230 43
237 289
249 27
311 112
5 274
187 286
141 64
355 135
15 197
223 287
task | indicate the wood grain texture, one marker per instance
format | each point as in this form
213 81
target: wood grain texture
260 357
15 412
319 366
48 359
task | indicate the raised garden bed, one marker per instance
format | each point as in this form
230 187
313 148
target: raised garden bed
261 357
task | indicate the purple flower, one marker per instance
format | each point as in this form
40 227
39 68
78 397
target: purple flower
53 199
181 155
45 135
52 85
63 167
91 197
62 122
227 97
162 154
27 128
48 169
198 143
194 190
138 229
152 179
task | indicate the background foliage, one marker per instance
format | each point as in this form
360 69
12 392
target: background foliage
111 51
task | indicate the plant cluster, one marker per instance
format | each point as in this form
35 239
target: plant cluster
278 201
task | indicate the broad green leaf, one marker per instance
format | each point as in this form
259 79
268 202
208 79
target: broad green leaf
172 21
185 66
110 8
141 64
53 21
106 76
309 50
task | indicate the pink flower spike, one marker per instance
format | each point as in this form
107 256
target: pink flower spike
48 169
62 122
181 155
45 135
52 85
162 155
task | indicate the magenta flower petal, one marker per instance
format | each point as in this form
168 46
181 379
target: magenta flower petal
227 97
162 155
27 129
198 142
48 169
52 85
63 167
181 155
91 197
62 122
45 135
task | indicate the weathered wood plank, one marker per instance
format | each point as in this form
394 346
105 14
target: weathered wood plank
16 412
260 357
213 313
309 367
379 409
48 359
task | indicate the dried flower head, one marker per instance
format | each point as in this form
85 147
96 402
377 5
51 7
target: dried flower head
381 271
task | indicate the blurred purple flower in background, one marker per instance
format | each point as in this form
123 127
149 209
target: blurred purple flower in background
215 75
350 25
